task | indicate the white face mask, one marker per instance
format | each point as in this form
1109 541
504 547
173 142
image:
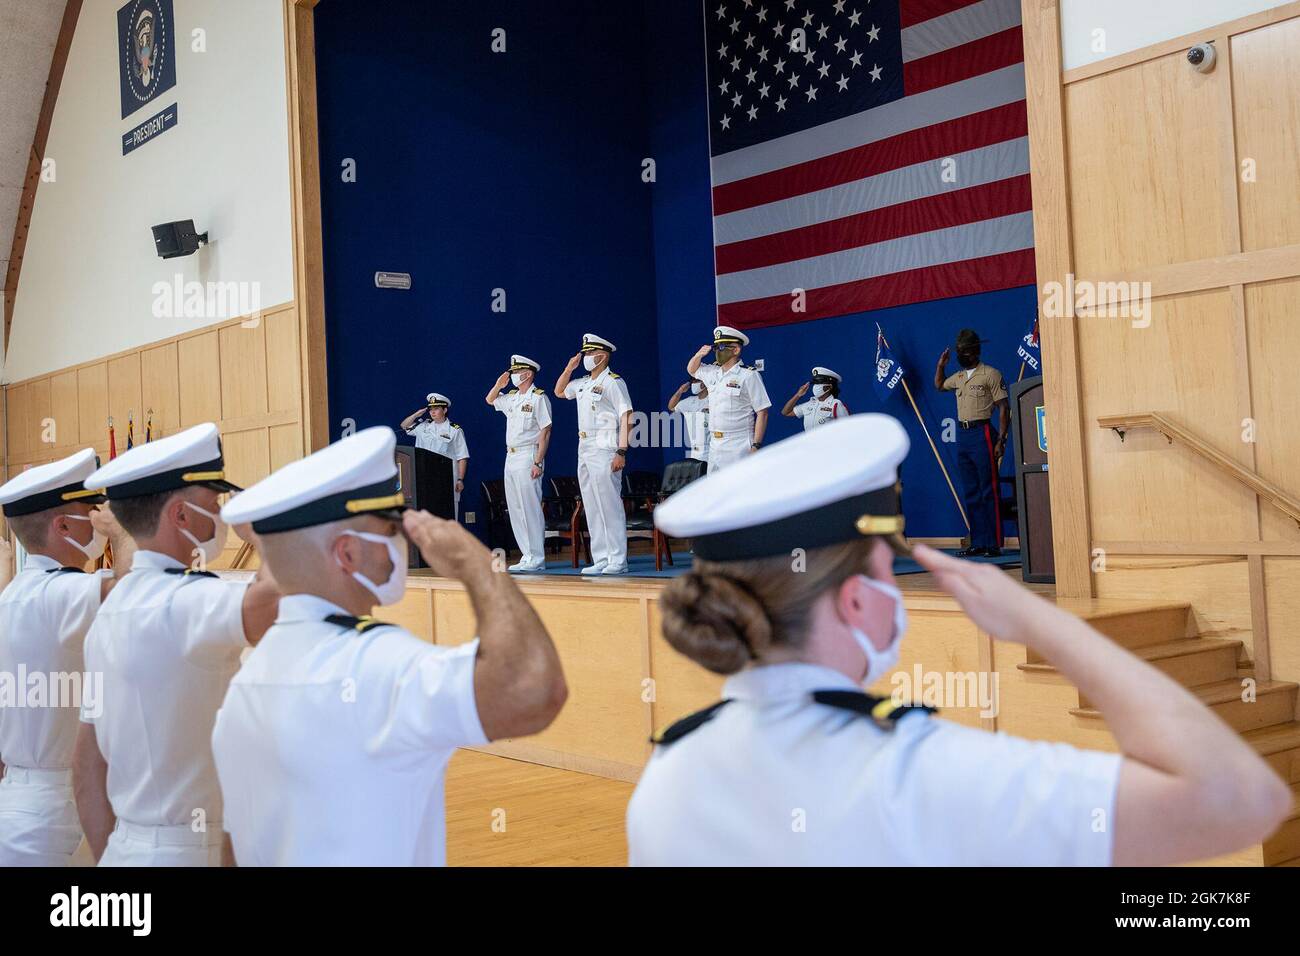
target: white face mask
880 662
93 550
695 388
821 391
516 379
589 362
210 549
392 590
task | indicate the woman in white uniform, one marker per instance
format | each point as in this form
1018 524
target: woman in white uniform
792 595
825 405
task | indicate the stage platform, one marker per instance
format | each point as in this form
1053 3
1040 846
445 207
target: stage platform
626 682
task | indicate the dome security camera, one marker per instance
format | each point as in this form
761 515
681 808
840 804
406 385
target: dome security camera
1202 57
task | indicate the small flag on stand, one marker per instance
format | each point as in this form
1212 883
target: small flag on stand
1030 352
889 373
148 426
130 429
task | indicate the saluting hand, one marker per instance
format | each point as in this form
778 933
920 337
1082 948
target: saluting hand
943 359
803 390
574 362
105 522
704 350
446 546
504 380
995 602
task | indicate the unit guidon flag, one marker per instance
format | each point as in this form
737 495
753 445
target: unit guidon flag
870 153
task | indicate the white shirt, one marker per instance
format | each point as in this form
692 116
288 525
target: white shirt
695 414
167 645
734 396
819 411
441 437
527 413
776 779
601 402
332 744
44 616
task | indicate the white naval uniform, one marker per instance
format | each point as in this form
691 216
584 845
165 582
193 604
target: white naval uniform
445 439
734 396
44 616
332 744
776 779
695 413
820 411
601 403
167 645
527 413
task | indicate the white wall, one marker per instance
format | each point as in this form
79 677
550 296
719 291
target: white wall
86 288
1133 24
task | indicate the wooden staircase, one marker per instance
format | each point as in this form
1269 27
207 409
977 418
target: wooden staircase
1216 671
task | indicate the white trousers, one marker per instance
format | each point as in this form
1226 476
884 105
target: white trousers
728 449
524 501
133 845
602 500
38 818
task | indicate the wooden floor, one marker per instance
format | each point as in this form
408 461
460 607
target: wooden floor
503 812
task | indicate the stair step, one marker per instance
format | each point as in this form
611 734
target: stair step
1284 844
1138 627
1280 746
1274 704
1191 661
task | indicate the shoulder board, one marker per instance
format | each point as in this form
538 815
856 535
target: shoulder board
454 425
66 571
752 368
613 375
190 572
681 728
538 391
358 624
882 710
513 391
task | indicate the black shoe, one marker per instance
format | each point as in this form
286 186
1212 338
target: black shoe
991 552
970 553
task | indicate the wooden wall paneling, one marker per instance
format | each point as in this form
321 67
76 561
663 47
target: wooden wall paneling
42 438
284 385
17 422
1265 71
199 375
1071 532
1282 592
63 401
1137 172
243 370
286 444
1144 487
92 406
1273 338
124 396
160 388
681 686
247 455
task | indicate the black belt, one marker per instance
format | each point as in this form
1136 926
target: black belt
975 424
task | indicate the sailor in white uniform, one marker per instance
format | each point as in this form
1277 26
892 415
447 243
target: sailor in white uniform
738 402
825 405
798 765
692 400
167 640
528 434
45 612
334 737
604 428
439 434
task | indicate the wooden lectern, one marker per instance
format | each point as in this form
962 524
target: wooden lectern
426 478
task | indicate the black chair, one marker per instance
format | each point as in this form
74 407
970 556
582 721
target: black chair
499 532
562 509
677 476
640 493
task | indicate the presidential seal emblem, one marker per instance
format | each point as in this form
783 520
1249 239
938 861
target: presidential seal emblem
147 52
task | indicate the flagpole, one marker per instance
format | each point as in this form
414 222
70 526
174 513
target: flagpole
908 392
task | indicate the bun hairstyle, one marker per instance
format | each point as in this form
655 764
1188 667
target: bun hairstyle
724 614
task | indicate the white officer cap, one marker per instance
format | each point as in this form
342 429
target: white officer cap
594 343
726 335
191 457
520 362
821 487
819 372
354 476
48 486
437 400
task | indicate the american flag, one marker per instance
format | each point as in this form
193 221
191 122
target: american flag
869 152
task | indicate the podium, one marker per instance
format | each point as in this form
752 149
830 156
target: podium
1033 500
426 478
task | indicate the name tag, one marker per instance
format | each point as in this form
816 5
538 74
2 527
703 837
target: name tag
733 384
